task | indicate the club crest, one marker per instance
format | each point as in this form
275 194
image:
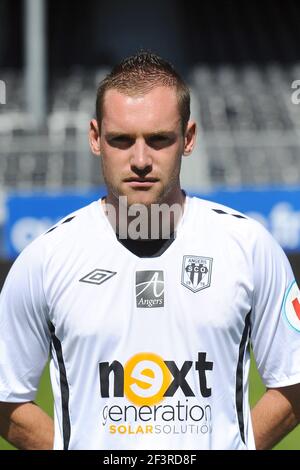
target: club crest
196 272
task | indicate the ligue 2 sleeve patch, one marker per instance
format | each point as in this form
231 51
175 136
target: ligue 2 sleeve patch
292 306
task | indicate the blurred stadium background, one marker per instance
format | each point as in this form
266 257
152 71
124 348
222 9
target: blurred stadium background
242 62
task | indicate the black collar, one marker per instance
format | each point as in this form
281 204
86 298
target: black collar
147 248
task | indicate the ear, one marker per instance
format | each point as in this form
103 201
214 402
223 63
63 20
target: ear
190 138
94 137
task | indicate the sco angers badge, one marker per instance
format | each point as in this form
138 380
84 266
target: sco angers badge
196 272
292 306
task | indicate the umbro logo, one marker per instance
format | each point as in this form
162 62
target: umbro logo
98 276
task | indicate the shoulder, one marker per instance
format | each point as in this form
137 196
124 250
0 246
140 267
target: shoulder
72 229
229 222
214 209
217 213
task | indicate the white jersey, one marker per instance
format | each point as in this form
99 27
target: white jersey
150 353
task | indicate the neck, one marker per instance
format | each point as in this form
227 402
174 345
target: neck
144 222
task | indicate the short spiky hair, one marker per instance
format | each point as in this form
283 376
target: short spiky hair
139 74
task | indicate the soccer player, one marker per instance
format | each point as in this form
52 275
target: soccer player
149 315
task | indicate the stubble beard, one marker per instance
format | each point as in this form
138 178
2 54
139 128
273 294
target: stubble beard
137 197
123 202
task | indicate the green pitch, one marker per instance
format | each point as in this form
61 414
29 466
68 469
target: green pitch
45 400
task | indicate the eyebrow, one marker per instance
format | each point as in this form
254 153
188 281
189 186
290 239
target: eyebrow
112 134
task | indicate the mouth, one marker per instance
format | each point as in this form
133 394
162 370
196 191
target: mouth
140 182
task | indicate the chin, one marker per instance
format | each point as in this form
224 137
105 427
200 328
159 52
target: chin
145 201
145 197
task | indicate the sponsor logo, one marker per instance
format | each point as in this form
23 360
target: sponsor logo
292 306
98 276
196 272
147 380
149 289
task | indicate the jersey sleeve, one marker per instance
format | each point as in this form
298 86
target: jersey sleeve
275 316
24 332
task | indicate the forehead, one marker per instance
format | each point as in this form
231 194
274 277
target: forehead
156 109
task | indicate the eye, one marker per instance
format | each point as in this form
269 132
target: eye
158 138
121 141
159 141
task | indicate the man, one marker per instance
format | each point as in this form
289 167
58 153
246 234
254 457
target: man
149 335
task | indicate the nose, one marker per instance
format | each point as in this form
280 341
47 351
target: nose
141 159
